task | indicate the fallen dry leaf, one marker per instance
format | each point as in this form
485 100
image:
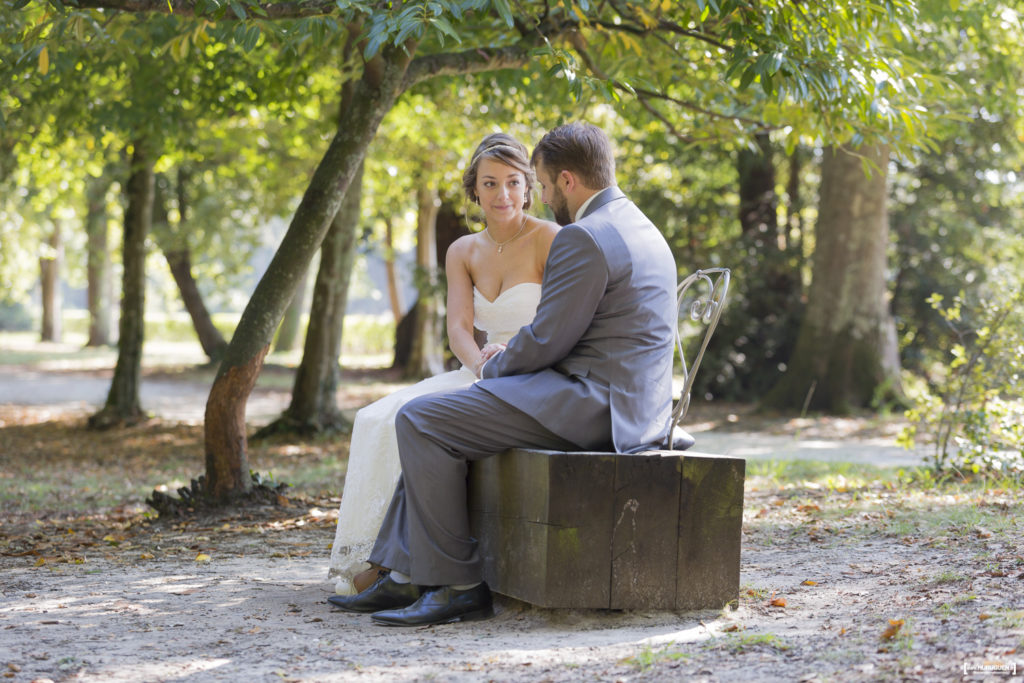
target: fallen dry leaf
777 602
808 582
202 557
894 627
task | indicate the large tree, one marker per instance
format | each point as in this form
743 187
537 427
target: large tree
792 52
846 354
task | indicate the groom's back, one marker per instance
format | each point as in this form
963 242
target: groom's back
629 345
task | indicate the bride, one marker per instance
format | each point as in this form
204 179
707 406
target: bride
494 281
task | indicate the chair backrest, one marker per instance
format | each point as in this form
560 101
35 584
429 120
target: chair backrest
702 311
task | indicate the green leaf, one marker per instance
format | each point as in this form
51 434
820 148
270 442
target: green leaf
252 36
446 28
238 9
505 11
748 76
376 39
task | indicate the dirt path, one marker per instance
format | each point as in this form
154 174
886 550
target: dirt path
175 400
816 601
840 581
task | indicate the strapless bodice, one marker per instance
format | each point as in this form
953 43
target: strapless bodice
502 318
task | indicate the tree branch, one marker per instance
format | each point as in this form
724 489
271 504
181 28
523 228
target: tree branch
644 95
187 8
476 60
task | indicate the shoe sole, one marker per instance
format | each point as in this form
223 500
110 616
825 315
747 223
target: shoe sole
349 610
475 615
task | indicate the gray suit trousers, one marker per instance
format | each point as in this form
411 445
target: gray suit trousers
425 532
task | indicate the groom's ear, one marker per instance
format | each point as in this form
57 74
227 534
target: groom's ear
567 180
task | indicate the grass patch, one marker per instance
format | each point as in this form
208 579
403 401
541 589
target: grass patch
738 644
949 577
648 658
829 476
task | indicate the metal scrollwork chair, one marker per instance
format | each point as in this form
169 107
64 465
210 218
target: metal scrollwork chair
702 311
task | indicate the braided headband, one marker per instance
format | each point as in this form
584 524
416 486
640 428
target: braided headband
504 146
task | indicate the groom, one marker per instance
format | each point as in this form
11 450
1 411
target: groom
592 372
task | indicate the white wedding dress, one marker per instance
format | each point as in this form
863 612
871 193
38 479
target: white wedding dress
373 465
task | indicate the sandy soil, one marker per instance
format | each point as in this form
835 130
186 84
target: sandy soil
843 582
243 599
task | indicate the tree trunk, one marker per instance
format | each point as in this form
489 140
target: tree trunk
288 333
394 294
210 338
758 200
98 261
846 355
450 227
176 250
49 278
314 406
794 230
123 406
364 105
427 356
762 314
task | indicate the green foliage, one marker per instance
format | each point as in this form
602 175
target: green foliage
974 416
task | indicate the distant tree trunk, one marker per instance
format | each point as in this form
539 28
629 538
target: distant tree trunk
762 314
210 339
364 104
794 229
123 406
174 243
758 202
394 293
846 354
427 355
49 277
314 406
287 338
98 261
449 226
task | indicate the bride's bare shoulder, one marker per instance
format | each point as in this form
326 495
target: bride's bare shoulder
463 247
547 231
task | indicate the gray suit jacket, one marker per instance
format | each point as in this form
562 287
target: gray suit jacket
600 347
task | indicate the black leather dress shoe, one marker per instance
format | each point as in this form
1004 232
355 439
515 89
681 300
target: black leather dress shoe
441 605
383 594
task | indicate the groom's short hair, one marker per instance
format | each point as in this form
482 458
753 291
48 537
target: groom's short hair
580 148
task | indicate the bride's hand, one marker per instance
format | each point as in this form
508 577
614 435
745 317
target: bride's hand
490 351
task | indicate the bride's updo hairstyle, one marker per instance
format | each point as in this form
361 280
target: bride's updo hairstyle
504 149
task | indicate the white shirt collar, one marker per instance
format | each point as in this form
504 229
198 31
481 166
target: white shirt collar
584 205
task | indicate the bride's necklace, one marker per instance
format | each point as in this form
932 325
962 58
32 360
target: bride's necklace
501 245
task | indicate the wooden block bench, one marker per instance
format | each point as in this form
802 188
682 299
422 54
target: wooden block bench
657 530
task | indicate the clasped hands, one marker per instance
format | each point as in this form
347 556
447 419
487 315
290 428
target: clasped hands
486 353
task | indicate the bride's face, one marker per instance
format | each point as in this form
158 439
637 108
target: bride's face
501 189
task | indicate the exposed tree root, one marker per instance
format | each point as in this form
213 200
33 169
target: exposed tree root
112 418
286 424
194 499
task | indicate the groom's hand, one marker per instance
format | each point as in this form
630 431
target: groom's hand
488 352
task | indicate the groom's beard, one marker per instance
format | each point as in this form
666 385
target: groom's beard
559 207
